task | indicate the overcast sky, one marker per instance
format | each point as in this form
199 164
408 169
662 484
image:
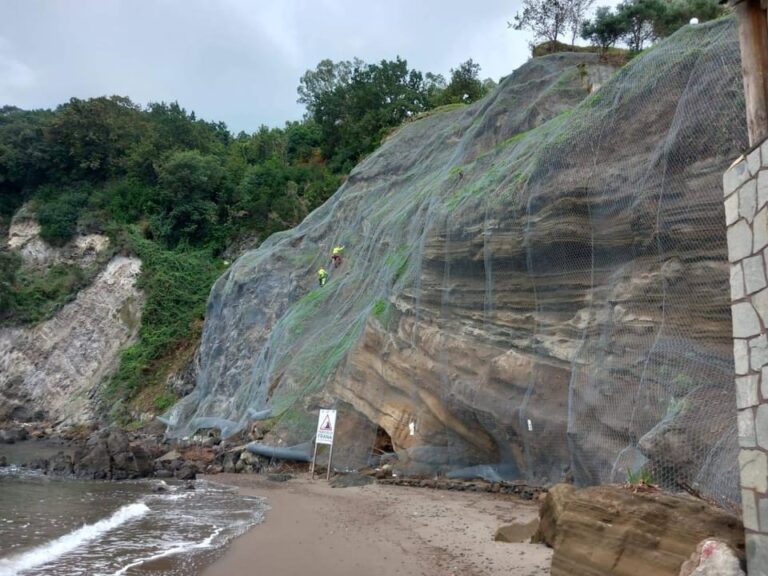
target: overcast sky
235 60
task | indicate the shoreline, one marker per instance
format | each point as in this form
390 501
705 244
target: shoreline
312 528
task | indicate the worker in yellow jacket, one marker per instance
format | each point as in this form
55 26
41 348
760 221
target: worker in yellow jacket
322 276
336 254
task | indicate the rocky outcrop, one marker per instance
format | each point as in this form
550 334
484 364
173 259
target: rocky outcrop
13 434
24 238
60 465
534 287
109 455
617 531
52 370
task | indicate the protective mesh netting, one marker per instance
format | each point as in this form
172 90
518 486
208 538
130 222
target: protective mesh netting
536 284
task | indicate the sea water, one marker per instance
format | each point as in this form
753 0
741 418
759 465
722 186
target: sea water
71 527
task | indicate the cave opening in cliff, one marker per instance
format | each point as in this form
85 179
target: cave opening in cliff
383 443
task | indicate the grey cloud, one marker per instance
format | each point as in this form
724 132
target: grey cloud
233 60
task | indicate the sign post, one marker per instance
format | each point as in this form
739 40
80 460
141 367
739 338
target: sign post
326 426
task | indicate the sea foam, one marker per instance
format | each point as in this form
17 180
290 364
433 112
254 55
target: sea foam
54 549
172 551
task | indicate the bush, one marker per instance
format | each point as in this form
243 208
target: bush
58 213
36 296
9 264
176 284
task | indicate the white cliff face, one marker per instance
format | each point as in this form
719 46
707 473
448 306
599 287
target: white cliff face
24 238
53 369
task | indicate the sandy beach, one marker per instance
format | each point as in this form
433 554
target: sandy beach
312 528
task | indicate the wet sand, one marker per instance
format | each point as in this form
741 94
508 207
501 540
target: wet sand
378 530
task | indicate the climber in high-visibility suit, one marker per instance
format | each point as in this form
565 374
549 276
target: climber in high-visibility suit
322 276
336 255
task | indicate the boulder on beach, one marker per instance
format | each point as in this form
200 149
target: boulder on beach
13 435
60 465
618 531
108 455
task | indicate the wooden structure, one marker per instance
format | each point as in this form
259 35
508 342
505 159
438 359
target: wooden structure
753 36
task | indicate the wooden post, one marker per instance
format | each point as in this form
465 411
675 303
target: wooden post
753 36
312 468
330 459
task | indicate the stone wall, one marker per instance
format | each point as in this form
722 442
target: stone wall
746 215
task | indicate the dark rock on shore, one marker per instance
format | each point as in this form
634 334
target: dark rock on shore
60 465
108 455
350 480
279 477
229 462
13 435
187 472
37 464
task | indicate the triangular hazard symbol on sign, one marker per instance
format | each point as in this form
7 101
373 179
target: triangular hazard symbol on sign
326 427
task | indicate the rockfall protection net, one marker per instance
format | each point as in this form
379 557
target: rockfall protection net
536 286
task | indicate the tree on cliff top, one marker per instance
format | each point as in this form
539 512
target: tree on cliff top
639 21
547 19
578 13
550 19
465 85
605 29
353 104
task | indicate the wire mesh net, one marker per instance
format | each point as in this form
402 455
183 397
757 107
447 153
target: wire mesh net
533 287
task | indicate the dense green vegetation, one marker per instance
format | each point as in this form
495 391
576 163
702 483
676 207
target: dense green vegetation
636 22
177 191
354 104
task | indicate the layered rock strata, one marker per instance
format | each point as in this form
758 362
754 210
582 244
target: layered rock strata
535 286
54 369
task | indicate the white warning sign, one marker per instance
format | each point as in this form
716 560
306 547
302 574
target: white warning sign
326 425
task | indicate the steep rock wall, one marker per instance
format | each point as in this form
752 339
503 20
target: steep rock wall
52 370
537 284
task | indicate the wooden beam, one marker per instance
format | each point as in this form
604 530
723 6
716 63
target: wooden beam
753 35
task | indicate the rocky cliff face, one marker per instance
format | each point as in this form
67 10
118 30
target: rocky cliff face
537 285
24 238
54 369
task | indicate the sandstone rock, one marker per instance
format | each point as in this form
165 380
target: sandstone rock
516 533
613 531
712 558
473 320
169 456
551 510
